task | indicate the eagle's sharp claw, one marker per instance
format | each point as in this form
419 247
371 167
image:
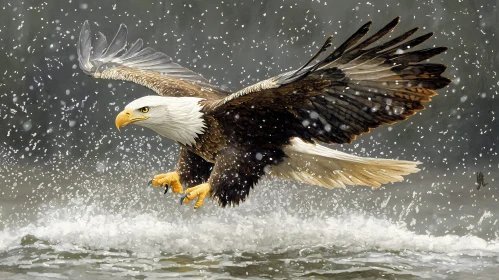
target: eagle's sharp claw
149 183
167 180
200 192
182 199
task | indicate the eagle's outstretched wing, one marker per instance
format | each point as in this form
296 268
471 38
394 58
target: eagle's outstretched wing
143 66
353 89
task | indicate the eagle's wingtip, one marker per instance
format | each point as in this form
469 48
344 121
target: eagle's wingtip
85 26
122 25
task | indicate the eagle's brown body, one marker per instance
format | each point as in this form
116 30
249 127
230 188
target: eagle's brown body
353 89
213 140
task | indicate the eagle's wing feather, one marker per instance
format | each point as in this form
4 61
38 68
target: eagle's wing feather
144 66
354 89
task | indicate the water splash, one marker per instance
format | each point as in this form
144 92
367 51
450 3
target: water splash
79 225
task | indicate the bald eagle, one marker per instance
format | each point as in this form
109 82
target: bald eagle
229 141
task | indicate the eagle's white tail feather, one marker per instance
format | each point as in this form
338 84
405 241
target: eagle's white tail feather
319 165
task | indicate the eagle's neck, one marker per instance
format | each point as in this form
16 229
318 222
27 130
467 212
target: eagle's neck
182 121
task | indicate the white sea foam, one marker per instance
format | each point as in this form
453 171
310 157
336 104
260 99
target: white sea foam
232 230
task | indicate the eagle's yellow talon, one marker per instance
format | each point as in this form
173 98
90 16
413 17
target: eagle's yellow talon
199 191
186 200
171 179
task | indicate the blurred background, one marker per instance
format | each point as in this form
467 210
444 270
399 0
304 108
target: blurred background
68 177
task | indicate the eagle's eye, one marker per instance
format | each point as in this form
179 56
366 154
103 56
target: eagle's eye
144 109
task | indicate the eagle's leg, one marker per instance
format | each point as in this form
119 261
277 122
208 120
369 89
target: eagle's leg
191 170
236 171
170 179
200 192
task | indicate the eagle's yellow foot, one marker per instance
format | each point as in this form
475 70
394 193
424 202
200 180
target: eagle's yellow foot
171 179
199 191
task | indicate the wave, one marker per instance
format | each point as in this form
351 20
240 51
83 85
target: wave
237 229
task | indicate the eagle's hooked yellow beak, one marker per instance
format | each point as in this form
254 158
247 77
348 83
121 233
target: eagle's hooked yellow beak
126 117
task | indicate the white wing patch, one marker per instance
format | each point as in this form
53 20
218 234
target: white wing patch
319 165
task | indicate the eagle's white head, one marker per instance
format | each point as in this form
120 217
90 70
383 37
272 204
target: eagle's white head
177 118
